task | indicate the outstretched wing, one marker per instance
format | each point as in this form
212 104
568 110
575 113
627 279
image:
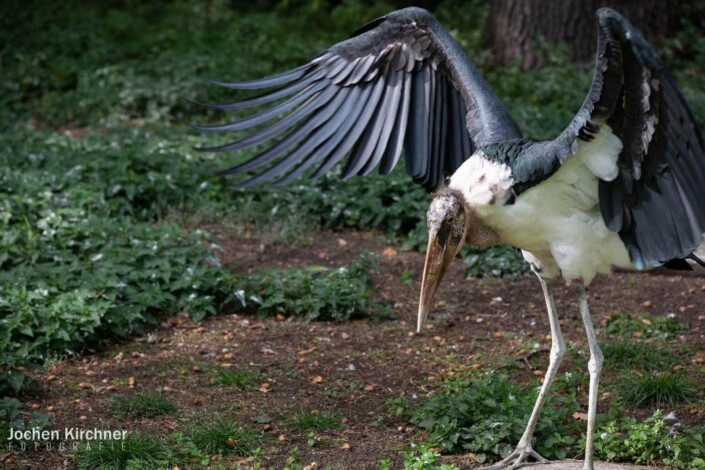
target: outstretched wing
657 200
400 81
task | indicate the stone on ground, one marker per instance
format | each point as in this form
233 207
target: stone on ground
578 465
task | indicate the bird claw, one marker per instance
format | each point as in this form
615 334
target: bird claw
517 459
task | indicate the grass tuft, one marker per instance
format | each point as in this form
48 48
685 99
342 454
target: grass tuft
638 355
657 389
225 437
313 420
645 326
232 378
142 405
136 451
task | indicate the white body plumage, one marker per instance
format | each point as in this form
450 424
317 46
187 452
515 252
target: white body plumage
557 223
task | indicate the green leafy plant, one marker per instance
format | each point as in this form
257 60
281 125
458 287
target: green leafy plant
14 416
651 442
423 457
315 293
487 415
293 461
399 408
312 440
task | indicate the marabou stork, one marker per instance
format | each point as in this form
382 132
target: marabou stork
622 186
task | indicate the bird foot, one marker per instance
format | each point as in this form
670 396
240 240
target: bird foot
517 459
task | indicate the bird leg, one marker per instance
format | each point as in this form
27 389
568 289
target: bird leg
524 450
595 367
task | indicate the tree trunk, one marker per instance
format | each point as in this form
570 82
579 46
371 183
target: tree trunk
516 28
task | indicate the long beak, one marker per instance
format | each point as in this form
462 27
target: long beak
440 252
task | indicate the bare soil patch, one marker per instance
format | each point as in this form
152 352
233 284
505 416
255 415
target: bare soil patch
350 368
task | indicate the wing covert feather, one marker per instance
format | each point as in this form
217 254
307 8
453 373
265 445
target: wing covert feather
656 201
417 91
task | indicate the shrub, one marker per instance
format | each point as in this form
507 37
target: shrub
650 442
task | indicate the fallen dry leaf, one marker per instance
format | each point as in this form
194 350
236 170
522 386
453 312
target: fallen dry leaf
580 416
316 380
389 252
84 385
303 352
131 382
345 446
369 388
265 388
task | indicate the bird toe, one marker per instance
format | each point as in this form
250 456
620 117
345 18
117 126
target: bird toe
517 459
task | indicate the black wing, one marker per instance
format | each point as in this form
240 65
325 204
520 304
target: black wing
400 81
657 201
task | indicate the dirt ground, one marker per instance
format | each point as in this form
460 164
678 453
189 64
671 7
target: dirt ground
351 368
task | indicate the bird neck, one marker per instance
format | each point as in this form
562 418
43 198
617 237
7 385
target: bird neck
477 233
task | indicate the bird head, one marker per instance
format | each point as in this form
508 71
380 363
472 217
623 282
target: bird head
450 221
447 225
